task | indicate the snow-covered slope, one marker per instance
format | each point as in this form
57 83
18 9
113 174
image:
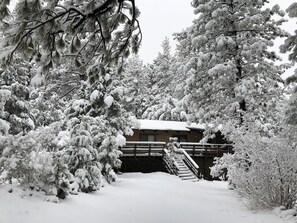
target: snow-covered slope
137 198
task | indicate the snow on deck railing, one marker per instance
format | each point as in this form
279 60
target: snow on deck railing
143 148
146 142
206 149
202 144
152 148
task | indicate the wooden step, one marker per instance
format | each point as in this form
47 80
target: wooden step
189 178
186 174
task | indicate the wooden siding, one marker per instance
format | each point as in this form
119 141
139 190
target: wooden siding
163 136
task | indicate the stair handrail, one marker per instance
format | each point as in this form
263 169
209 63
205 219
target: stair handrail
170 162
190 162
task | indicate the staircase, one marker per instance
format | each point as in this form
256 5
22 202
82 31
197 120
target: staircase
181 165
184 172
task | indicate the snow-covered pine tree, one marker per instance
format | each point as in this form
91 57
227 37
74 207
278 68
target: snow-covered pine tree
95 36
14 109
134 80
182 55
161 86
290 45
82 157
83 31
233 77
166 108
107 105
53 93
234 82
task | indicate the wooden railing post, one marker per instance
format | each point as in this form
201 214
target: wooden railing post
135 150
150 149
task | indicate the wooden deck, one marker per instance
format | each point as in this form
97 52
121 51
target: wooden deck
140 149
206 149
149 157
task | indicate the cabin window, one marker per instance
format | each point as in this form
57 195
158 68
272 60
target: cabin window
181 138
147 137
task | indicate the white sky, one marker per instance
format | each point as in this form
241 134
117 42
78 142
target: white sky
161 18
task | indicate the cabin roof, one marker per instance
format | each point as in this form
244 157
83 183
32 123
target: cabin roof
168 125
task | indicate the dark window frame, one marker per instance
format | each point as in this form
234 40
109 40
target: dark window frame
181 136
141 135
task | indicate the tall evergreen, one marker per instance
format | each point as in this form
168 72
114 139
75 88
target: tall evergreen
290 45
231 67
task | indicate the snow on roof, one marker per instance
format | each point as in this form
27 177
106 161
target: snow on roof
168 125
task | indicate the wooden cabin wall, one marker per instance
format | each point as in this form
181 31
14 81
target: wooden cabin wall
163 136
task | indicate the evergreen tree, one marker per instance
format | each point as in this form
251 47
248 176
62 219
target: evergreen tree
117 123
232 73
234 82
14 108
82 157
133 79
161 87
86 32
85 39
290 45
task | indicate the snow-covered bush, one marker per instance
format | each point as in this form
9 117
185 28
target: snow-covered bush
262 169
36 160
221 165
49 164
52 174
15 159
173 145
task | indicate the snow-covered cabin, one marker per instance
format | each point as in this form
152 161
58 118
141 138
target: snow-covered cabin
161 131
145 149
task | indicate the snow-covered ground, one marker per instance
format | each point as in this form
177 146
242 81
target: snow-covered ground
137 198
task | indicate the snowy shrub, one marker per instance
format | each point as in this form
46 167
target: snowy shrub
262 169
34 161
221 165
15 159
173 145
52 174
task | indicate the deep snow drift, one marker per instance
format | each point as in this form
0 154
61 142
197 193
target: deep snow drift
137 198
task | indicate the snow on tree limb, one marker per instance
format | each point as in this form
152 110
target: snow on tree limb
86 31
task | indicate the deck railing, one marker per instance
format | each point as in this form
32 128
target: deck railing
170 164
139 148
206 149
190 163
